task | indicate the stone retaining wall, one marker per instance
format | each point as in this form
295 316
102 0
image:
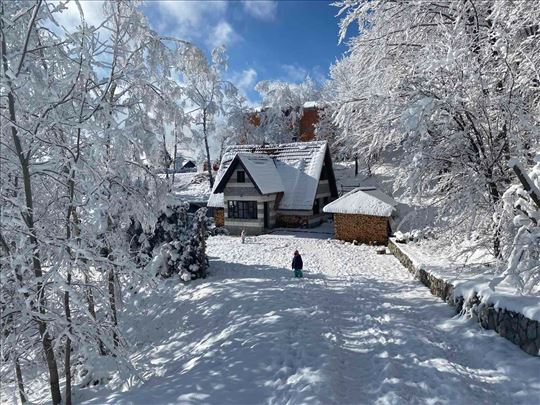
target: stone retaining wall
511 325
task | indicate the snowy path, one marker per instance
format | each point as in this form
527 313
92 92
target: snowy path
357 329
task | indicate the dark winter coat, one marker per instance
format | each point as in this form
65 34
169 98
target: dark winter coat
297 262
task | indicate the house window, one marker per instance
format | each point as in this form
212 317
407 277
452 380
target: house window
241 176
316 206
242 209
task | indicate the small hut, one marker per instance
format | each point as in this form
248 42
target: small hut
362 215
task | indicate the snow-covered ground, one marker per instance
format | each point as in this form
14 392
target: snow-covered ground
473 278
357 329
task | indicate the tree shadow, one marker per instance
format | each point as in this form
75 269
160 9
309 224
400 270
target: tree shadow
253 334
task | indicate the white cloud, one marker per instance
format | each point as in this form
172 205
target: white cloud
222 34
261 9
203 22
294 73
319 74
190 18
192 13
245 80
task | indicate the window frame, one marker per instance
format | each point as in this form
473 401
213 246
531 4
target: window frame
240 176
237 209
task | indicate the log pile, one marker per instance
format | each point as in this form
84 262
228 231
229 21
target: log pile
219 217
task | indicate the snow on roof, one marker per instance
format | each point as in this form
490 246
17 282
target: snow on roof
298 165
263 171
311 104
216 199
367 201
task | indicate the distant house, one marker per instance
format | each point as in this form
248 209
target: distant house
308 117
182 165
362 215
260 187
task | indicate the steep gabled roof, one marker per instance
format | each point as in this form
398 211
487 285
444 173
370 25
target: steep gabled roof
298 165
189 164
261 169
364 201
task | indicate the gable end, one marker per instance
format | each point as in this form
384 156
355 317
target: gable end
230 170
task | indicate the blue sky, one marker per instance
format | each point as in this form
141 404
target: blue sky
265 40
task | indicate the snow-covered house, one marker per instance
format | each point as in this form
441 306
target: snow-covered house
261 187
182 165
362 215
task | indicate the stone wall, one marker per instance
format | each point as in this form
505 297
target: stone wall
361 228
511 325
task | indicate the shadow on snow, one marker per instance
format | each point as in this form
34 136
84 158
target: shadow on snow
253 334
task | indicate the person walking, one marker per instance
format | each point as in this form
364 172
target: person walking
243 235
297 265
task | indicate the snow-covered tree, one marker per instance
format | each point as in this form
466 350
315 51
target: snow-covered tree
206 91
453 86
278 119
82 115
241 126
523 201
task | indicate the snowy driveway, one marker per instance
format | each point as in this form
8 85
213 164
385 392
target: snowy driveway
357 329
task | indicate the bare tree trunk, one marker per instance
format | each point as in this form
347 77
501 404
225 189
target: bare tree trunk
89 295
175 153
28 217
67 355
203 246
208 162
92 309
495 197
497 242
166 158
69 234
112 303
20 381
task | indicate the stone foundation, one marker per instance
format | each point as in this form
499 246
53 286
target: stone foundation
511 325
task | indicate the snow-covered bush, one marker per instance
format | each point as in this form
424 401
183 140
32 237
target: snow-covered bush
194 259
523 269
178 244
